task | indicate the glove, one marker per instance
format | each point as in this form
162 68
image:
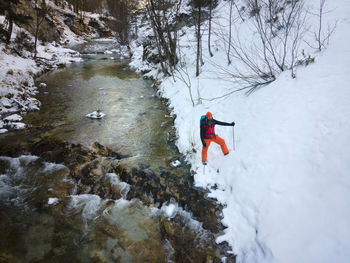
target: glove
204 144
233 123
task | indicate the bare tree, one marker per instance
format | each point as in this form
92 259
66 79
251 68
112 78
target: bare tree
40 13
198 7
238 11
280 26
230 33
183 75
321 37
209 29
12 15
165 31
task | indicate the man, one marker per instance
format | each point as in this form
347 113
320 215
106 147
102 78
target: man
208 135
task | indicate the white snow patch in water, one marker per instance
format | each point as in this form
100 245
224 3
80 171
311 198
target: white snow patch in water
52 201
95 115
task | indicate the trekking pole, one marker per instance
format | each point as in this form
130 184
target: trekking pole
233 142
203 169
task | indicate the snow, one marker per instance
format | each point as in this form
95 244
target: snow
175 163
286 186
5 102
3 131
17 125
95 115
14 117
170 210
52 201
42 85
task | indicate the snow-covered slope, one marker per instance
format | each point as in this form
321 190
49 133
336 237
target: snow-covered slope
286 186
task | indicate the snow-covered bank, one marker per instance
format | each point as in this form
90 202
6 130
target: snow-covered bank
17 87
286 187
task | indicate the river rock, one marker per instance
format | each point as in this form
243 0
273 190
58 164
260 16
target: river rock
42 85
189 245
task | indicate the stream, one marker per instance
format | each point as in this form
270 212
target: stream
116 189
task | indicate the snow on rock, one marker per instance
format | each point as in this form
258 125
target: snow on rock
170 210
14 117
175 163
17 125
52 201
5 102
42 85
3 131
95 115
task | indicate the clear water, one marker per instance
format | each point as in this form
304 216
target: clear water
135 122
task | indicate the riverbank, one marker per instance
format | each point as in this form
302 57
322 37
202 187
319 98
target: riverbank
19 68
17 87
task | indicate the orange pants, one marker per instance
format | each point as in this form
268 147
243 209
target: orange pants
217 140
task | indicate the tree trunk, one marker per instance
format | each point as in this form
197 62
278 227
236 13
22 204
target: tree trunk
230 35
9 31
36 38
209 35
198 39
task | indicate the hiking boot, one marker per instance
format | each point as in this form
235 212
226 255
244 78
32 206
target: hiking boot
204 163
226 153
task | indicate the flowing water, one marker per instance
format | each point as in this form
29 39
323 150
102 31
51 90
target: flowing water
136 122
43 219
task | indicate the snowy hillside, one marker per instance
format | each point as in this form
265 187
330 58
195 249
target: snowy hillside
286 186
